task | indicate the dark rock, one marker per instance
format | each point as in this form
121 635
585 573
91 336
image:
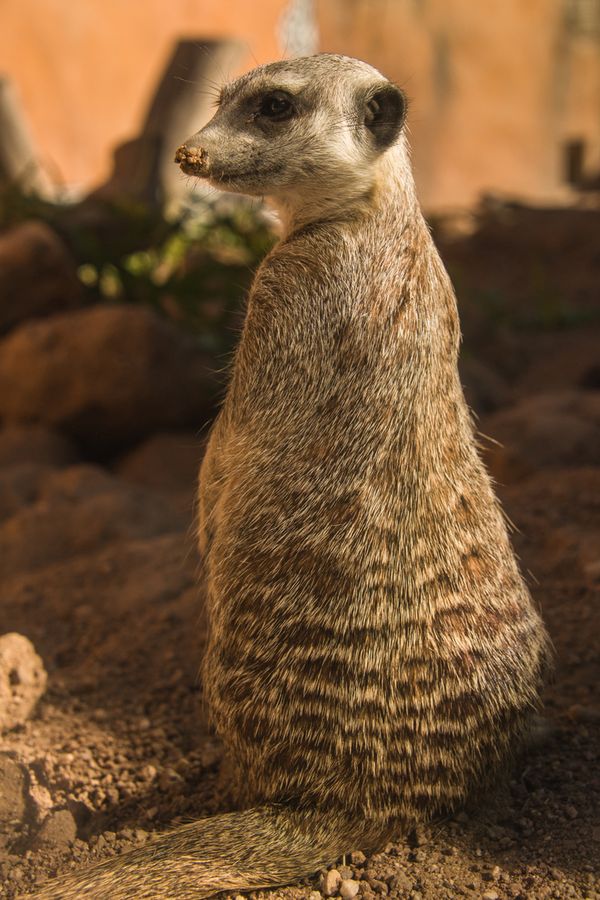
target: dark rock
107 376
57 832
485 390
558 429
37 274
563 360
166 461
107 593
33 444
19 486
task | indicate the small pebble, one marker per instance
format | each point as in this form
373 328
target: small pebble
358 858
348 888
489 895
330 882
400 882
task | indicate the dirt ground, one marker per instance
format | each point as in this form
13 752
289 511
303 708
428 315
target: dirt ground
98 569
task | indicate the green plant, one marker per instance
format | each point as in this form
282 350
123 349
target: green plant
194 269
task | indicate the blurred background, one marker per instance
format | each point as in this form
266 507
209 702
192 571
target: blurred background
504 99
122 288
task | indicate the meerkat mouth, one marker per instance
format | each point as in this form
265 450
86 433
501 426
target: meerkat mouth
246 174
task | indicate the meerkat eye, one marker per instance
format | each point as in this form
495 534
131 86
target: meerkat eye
276 106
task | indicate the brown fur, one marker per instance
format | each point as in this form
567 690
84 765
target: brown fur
374 652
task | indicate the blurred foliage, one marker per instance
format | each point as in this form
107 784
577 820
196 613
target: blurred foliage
514 268
194 269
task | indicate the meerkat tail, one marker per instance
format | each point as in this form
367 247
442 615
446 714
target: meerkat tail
257 848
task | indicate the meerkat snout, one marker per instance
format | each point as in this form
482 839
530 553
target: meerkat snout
192 160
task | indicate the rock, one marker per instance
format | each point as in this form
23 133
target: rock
563 359
57 832
380 887
37 274
485 390
107 376
19 487
41 801
94 509
83 815
330 882
22 680
20 444
167 461
13 791
557 429
358 858
401 882
348 889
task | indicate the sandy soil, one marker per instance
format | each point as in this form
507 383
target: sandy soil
99 571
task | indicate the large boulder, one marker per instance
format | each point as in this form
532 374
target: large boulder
167 461
108 376
37 274
556 429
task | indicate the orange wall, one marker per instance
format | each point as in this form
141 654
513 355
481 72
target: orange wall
85 69
496 88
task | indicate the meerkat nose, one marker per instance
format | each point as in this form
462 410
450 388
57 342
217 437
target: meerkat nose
192 160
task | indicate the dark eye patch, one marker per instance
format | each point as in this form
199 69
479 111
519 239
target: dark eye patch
272 106
276 106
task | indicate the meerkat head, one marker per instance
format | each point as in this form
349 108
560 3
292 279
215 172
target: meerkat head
306 133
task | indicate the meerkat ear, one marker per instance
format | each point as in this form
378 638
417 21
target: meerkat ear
385 111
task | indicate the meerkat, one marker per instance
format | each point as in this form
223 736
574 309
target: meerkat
374 654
